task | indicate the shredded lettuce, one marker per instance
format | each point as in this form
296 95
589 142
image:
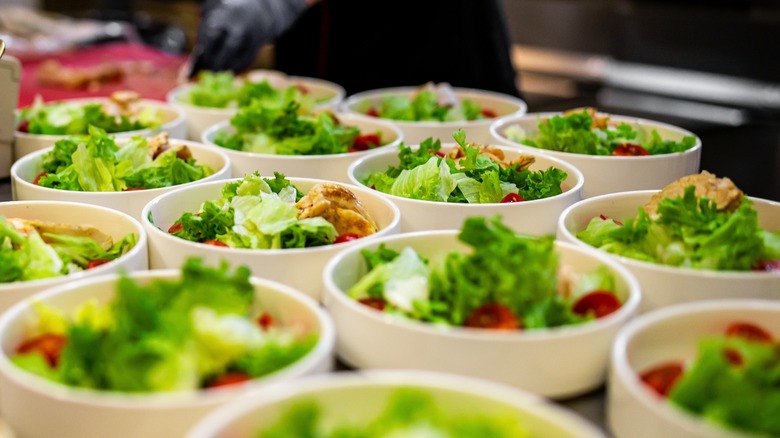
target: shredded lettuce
71 118
424 106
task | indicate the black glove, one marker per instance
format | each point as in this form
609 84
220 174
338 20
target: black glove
232 31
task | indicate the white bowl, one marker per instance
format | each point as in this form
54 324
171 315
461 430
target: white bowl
610 174
111 222
672 334
357 398
331 167
26 143
300 268
24 171
666 285
531 217
199 118
557 362
415 132
37 408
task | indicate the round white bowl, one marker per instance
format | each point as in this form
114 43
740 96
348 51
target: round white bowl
111 222
199 118
415 132
331 167
672 334
357 398
300 268
666 285
557 362
531 217
610 174
26 400
24 171
26 143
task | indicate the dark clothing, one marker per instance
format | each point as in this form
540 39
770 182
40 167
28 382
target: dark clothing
364 44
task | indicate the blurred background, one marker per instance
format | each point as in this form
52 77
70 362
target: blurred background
710 66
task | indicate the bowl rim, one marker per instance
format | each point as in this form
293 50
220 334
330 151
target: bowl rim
159 233
141 244
323 349
377 154
650 266
332 291
518 399
347 105
35 158
179 119
496 131
211 131
625 373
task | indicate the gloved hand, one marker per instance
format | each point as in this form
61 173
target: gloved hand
232 31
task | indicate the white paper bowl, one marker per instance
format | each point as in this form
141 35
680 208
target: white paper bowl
199 118
356 398
559 362
26 143
331 167
300 268
415 132
37 408
610 174
672 334
111 222
666 285
531 217
24 171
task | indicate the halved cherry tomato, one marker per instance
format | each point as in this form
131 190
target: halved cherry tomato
229 378
374 303
438 153
767 265
733 356
49 345
599 302
488 113
97 262
630 150
133 189
662 378
38 177
265 321
748 332
24 126
346 237
215 243
175 228
365 142
493 316
512 197
372 112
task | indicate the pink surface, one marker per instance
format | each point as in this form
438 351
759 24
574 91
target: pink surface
156 76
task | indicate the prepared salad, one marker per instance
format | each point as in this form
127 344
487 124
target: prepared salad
202 330
584 131
273 127
467 173
507 282
271 213
699 221
734 380
123 112
431 102
225 90
410 412
95 163
32 249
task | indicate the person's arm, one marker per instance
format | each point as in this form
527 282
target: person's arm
232 31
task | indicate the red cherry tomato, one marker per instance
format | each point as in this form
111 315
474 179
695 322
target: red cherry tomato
49 345
748 332
133 189
600 303
438 153
97 262
265 321
38 177
175 228
213 242
493 316
488 113
346 237
372 112
733 356
229 378
24 126
767 265
630 150
365 142
662 378
374 303
512 197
